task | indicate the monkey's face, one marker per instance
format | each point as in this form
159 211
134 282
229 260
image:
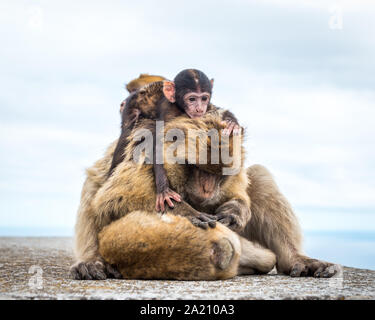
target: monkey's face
203 186
196 103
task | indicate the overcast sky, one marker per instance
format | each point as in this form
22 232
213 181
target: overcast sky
298 75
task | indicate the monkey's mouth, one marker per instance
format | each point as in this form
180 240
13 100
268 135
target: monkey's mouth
207 184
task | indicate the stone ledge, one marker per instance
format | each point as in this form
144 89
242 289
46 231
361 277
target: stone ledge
53 256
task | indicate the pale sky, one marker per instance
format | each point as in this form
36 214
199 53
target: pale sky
298 75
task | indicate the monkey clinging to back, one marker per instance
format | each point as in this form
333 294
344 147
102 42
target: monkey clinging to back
189 94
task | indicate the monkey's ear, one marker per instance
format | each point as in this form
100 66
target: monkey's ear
169 90
212 83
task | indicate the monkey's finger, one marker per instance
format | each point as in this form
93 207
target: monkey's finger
236 130
74 273
305 271
225 221
169 201
96 271
226 131
212 224
221 216
196 222
329 271
212 216
204 218
157 206
112 272
203 225
175 196
231 127
83 272
297 269
161 204
318 272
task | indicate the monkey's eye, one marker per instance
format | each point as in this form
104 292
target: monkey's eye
204 98
191 99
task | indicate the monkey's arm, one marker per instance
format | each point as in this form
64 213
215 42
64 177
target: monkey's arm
129 119
198 219
229 118
235 212
163 192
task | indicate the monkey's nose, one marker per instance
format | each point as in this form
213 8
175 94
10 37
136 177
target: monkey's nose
199 108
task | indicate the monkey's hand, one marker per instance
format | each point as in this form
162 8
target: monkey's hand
231 126
229 220
203 220
96 269
233 214
198 219
166 195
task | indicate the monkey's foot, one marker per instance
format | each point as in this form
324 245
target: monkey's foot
305 266
222 253
93 270
203 220
166 195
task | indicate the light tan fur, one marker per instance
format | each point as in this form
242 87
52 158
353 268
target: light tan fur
145 245
131 188
142 80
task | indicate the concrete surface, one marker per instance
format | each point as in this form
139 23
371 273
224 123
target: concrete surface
37 268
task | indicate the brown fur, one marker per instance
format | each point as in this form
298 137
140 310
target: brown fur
121 194
152 246
142 80
131 188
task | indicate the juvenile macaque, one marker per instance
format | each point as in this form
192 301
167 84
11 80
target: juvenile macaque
141 81
189 94
138 83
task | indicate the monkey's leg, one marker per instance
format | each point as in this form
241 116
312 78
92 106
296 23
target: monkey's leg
89 264
274 225
255 259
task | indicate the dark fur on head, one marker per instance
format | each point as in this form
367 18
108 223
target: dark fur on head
190 80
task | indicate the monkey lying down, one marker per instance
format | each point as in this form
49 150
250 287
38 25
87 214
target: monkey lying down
117 226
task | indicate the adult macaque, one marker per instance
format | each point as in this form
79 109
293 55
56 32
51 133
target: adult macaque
132 188
189 94
145 245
